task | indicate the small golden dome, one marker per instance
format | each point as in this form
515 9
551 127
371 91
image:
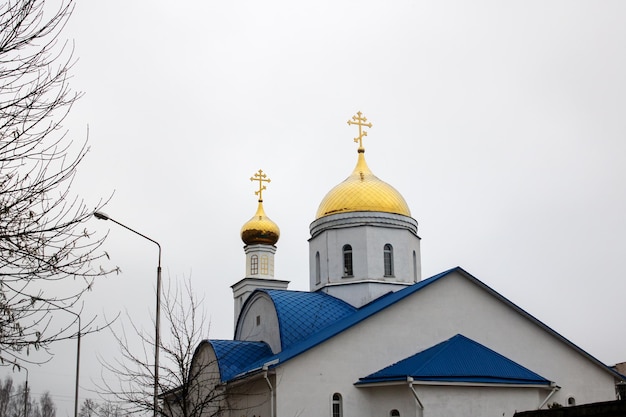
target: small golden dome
363 191
260 229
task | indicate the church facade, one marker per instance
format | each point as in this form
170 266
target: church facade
372 337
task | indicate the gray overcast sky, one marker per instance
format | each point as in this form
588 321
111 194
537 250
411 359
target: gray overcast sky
502 124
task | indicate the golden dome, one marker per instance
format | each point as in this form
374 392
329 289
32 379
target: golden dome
260 229
362 191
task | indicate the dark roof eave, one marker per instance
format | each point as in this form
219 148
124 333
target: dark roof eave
251 374
461 381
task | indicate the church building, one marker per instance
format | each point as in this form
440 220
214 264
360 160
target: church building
372 337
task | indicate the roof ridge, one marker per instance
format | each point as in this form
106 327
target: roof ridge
498 354
445 345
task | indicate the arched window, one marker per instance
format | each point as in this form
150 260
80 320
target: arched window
388 256
394 413
318 274
264 264
347 261
337 406
254 265
571 401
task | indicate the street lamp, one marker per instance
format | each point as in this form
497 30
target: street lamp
101 216
77 363
80 328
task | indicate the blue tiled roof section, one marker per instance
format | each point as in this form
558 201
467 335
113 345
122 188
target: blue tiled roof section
378 305
302 314
458 359
234 356
338 325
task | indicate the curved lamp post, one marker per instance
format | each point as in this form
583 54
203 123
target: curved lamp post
101 216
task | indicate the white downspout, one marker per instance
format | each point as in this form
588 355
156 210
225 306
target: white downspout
420 406
269 384
555 388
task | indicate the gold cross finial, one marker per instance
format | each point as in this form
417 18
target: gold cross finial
361 121
261 177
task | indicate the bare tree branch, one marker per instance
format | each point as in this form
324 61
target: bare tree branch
43 238
133 373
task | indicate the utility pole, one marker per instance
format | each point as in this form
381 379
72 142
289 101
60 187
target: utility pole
26 395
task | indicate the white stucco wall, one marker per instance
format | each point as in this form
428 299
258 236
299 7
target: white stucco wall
451 401
265 328
449 306
366 233
244 288
361 293
252 399
205 392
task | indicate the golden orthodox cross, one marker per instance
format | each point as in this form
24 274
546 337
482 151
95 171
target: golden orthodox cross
261 177
360 120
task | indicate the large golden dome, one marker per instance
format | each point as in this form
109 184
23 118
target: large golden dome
362 191
260 229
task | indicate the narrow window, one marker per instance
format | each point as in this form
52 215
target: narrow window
318 274
264 264
271 267
258 320
414 267
394 413
337 406
347 261
254 265
388 256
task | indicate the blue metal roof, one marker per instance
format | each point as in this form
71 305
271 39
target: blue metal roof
302 314
311 332
339 325
457 359
234 356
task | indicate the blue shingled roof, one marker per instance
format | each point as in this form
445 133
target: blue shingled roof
333 328
302 314
457 359
234 356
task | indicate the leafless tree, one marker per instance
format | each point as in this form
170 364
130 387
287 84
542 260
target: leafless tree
110 409
47 407
19 402
179 376
89 408
43 238
6 390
